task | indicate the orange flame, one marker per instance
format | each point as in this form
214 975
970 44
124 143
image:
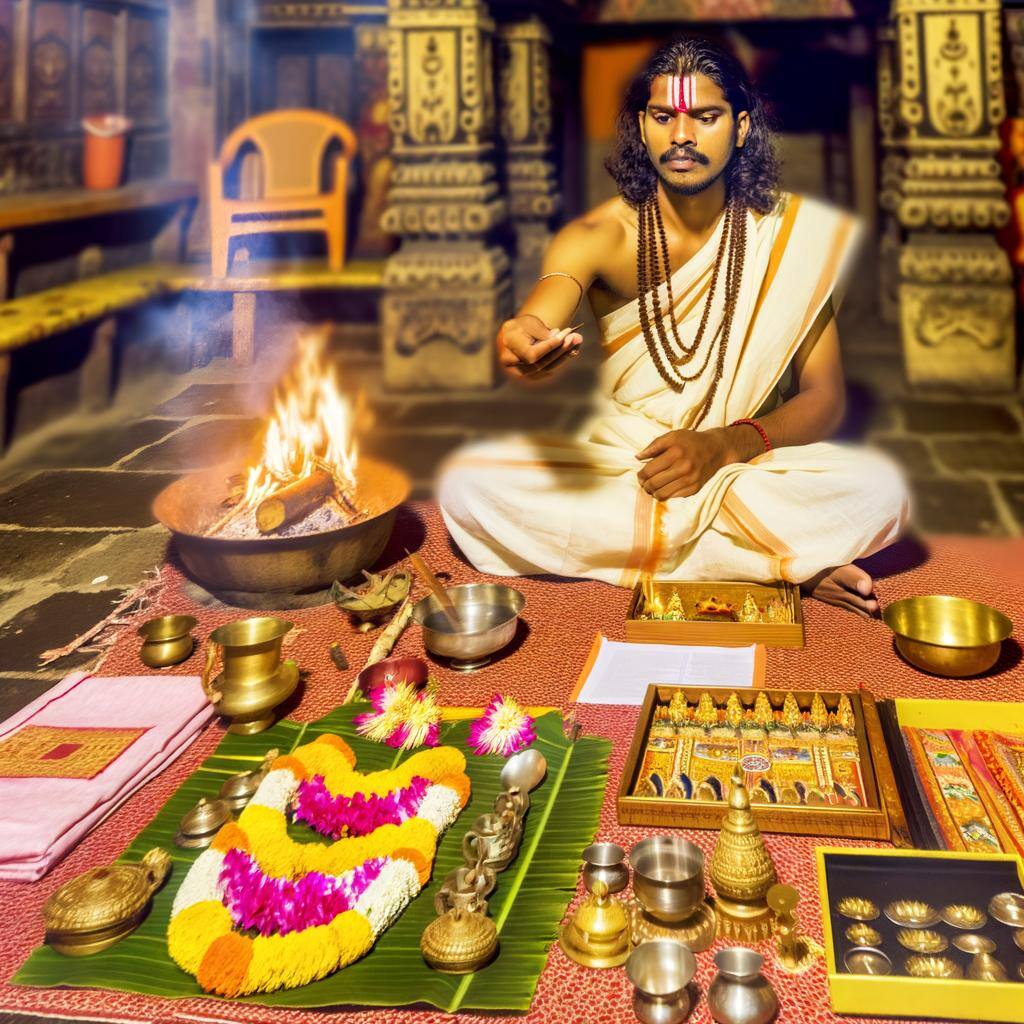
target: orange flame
311 428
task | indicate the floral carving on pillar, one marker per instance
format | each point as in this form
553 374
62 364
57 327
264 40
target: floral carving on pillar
955 297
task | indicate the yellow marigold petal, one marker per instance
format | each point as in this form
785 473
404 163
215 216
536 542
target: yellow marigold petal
340 745
354 934
230 837
190 933
292 764
224 967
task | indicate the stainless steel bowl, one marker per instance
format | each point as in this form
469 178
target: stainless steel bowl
488 613
668 877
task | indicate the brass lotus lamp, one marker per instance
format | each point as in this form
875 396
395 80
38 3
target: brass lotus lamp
598 934
741 871
93 911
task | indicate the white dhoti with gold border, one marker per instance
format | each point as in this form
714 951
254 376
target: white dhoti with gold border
573 506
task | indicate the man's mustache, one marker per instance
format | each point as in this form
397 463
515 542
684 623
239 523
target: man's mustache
683 153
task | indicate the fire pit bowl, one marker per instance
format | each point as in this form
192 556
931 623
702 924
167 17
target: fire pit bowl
271 571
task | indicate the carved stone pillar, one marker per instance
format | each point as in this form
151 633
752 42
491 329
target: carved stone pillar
448 287
524 112
956 301
890 235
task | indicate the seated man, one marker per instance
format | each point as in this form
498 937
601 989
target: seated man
711 287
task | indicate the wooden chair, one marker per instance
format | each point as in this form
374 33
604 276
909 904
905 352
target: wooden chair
291 146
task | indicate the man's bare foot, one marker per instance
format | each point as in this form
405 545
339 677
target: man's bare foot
848 587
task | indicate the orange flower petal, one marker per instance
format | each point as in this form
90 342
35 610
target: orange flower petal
293 764
230 837
224 967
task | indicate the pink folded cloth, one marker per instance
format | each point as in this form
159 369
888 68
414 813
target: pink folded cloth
78 752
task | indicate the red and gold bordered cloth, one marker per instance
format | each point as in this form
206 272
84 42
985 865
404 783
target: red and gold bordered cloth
58 752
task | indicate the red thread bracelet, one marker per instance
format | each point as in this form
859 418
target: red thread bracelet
757 426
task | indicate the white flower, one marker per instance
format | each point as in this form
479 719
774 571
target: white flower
388 894
201 883
276 790
440 807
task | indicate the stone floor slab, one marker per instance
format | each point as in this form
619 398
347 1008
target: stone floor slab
982 455
52 622
200 445
39 554
100 448
942 505
121 561
913 455
84 498
1013 494
948 417
216 400
18 691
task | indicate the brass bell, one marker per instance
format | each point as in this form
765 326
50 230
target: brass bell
459 942
598 934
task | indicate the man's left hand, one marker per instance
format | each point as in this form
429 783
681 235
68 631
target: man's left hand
681 462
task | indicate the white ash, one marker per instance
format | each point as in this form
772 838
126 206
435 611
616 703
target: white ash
320 520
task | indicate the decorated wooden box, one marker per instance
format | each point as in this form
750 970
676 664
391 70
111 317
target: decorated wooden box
959 767
717 614
928 914
814 763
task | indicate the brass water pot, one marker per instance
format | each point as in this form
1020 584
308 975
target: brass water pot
166 640
254 680
947 636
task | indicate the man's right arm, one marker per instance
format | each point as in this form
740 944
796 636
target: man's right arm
528 344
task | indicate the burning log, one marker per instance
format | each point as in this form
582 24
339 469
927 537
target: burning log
294 502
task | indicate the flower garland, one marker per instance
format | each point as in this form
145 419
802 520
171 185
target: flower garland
504 728
403 716
356 815
316 907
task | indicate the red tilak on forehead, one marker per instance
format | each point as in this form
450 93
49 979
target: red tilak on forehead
682 92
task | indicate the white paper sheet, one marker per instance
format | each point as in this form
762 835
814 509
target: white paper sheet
622 671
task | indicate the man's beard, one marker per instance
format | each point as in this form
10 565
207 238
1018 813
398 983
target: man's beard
694 188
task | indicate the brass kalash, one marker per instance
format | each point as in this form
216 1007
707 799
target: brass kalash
276 531
254 681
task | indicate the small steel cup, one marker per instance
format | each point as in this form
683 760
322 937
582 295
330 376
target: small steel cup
607 862
668 877
660 972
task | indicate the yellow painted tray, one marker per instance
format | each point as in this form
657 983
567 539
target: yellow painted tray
935 876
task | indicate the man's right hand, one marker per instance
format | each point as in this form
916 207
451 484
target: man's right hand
529 349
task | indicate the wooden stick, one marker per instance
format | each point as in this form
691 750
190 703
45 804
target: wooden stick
450 612
385 643
293 503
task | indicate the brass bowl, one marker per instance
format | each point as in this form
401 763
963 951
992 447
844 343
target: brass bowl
964 916
1018 938
393 670
933 967
922 940
200 825
1008 908
865 960
861 934
947 636
167 640
268 572
985 967
911 913
857 908
668 877
488 613
974 943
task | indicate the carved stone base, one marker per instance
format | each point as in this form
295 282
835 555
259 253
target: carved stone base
957 314
532 239
744 922
441 309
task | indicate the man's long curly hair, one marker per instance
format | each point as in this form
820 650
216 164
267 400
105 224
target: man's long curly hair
752 175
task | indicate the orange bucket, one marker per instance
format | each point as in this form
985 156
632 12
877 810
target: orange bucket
103 150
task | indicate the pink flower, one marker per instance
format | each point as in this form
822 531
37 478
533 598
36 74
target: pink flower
358 814
282 905
504 728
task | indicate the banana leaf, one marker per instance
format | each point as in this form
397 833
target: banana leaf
527 904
